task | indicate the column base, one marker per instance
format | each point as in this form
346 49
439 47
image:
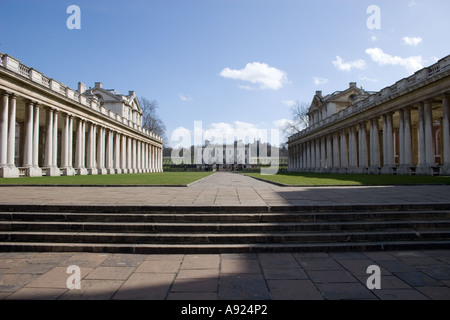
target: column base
424 171
343 170
81 171
118 171
387 170
102 171
69 171
51 172
92 171
352 170
445 170
404 170
33 172
374 170
361 170
111 171
9 172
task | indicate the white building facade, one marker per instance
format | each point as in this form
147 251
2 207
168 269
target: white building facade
49 129
403 129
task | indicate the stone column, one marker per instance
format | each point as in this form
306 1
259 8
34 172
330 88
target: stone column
353 155
90 149
401 137
28 148
374 147
160 160
133 155
317 155
336 153
109 152
36 171
70 146
48 156
117 153
80 149
55 170
11 171
4 135
362 140
101 151
445 170
344 152
138 157
329 153
323 154
426 145
124 156
129 157
388 147
429 141
4 131
405 142
66 146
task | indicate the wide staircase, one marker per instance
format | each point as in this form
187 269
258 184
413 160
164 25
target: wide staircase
185 230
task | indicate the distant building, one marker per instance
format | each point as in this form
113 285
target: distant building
230 157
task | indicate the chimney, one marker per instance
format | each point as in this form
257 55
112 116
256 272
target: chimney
81 88
131 93
352 85
99 85
319 93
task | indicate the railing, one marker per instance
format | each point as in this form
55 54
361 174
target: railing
398 88
15 66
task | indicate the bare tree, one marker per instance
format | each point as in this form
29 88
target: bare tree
150 119
299 113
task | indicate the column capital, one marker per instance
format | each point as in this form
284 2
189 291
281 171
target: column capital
445 95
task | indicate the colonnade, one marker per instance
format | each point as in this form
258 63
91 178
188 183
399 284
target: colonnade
38 139
412 139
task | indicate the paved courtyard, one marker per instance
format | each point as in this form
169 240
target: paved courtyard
286 276
411 275
225 189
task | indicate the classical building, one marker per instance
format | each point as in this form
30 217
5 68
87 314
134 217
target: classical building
48 129
402 129
230 157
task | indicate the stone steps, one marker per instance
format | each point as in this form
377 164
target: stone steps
230 230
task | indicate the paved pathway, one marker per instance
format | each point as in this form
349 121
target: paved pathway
299 276
225 189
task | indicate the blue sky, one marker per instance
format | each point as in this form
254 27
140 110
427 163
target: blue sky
232 64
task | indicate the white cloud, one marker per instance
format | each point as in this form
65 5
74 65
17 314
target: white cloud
289 103
411 64
412 41
185 98
348 66
265 76
374 38
367 79
319 81
222 132
411 4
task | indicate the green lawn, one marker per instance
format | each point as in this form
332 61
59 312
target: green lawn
163 178
312 179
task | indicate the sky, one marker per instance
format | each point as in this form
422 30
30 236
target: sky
231 68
